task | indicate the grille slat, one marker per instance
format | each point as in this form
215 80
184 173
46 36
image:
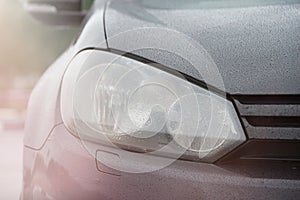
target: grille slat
269 99
268 110
291 122
256 132
267 119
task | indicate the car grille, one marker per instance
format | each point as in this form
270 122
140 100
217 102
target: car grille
270 117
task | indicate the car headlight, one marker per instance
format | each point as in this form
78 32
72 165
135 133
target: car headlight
114 100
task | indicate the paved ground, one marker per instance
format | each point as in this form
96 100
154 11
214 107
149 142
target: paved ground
11 144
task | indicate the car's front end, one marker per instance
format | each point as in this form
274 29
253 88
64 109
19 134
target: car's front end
170 100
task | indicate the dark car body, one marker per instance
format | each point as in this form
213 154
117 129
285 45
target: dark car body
256 48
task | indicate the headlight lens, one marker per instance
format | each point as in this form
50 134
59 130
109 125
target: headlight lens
114 100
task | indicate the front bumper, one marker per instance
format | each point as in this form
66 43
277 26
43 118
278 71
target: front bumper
62 169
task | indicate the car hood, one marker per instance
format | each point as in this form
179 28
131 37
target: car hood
256 48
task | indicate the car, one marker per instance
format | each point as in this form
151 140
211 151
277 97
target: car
167 99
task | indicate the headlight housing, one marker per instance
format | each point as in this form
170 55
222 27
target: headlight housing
117 101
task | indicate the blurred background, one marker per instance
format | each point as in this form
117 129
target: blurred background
27 48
